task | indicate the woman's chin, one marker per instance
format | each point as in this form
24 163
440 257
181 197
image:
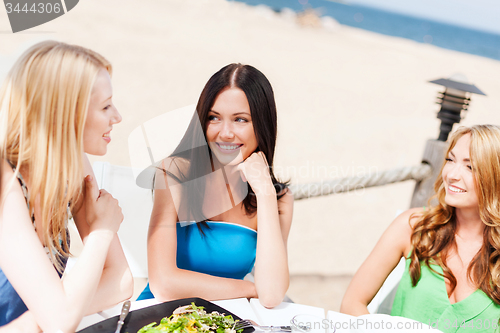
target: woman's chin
96 152
229 159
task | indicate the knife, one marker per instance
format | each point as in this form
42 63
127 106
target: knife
123 315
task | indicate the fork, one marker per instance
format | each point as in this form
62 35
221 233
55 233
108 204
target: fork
123 315
241 324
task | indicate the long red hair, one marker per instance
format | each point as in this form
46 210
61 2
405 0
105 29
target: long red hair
434 234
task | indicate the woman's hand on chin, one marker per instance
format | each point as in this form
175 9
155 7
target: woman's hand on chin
255 171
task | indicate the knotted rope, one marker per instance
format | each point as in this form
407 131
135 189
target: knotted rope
346 184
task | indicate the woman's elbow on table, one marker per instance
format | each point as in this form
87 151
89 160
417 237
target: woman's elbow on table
270 301
271 294
353 307
163 295
345 306
165 289
272 298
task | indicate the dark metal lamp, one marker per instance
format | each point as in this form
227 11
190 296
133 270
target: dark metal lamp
453 100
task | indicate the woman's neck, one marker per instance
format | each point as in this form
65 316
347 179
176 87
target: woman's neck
469 224
231 174
232 182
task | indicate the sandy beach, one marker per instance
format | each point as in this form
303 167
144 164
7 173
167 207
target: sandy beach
349 102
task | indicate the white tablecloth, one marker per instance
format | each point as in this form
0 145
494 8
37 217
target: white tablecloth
319 321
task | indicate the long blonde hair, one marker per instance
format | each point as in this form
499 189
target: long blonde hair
43 107
434 233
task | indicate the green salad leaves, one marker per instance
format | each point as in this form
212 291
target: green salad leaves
193 319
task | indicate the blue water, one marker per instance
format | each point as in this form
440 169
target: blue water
424 31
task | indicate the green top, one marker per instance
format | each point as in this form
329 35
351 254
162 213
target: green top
428 303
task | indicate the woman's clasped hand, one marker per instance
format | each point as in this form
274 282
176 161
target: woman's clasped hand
102 210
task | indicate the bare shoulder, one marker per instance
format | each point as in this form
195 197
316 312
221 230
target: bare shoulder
175 166
168 172
409 217
167 196
401 228
11 194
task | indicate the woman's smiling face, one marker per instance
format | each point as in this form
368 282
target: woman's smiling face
101 116
458 176
230 131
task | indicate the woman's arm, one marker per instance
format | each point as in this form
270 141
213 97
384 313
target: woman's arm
271 265
25 323
392 246
116 282
166 281
54 303
273 224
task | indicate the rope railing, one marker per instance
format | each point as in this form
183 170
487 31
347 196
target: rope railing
346 184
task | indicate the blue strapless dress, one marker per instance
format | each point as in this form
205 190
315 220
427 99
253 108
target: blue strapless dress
225 250
11 305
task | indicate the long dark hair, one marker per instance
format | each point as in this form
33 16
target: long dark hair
192 159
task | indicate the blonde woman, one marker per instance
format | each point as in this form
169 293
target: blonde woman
55 106
452 250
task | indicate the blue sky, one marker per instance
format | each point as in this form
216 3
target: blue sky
477 14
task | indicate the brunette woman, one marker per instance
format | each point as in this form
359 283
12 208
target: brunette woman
221 177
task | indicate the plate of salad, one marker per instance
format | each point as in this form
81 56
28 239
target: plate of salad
189 315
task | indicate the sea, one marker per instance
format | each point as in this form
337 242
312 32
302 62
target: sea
421 30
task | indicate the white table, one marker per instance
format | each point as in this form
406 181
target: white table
329 322
241 307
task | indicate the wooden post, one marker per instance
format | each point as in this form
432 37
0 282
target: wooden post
434 156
